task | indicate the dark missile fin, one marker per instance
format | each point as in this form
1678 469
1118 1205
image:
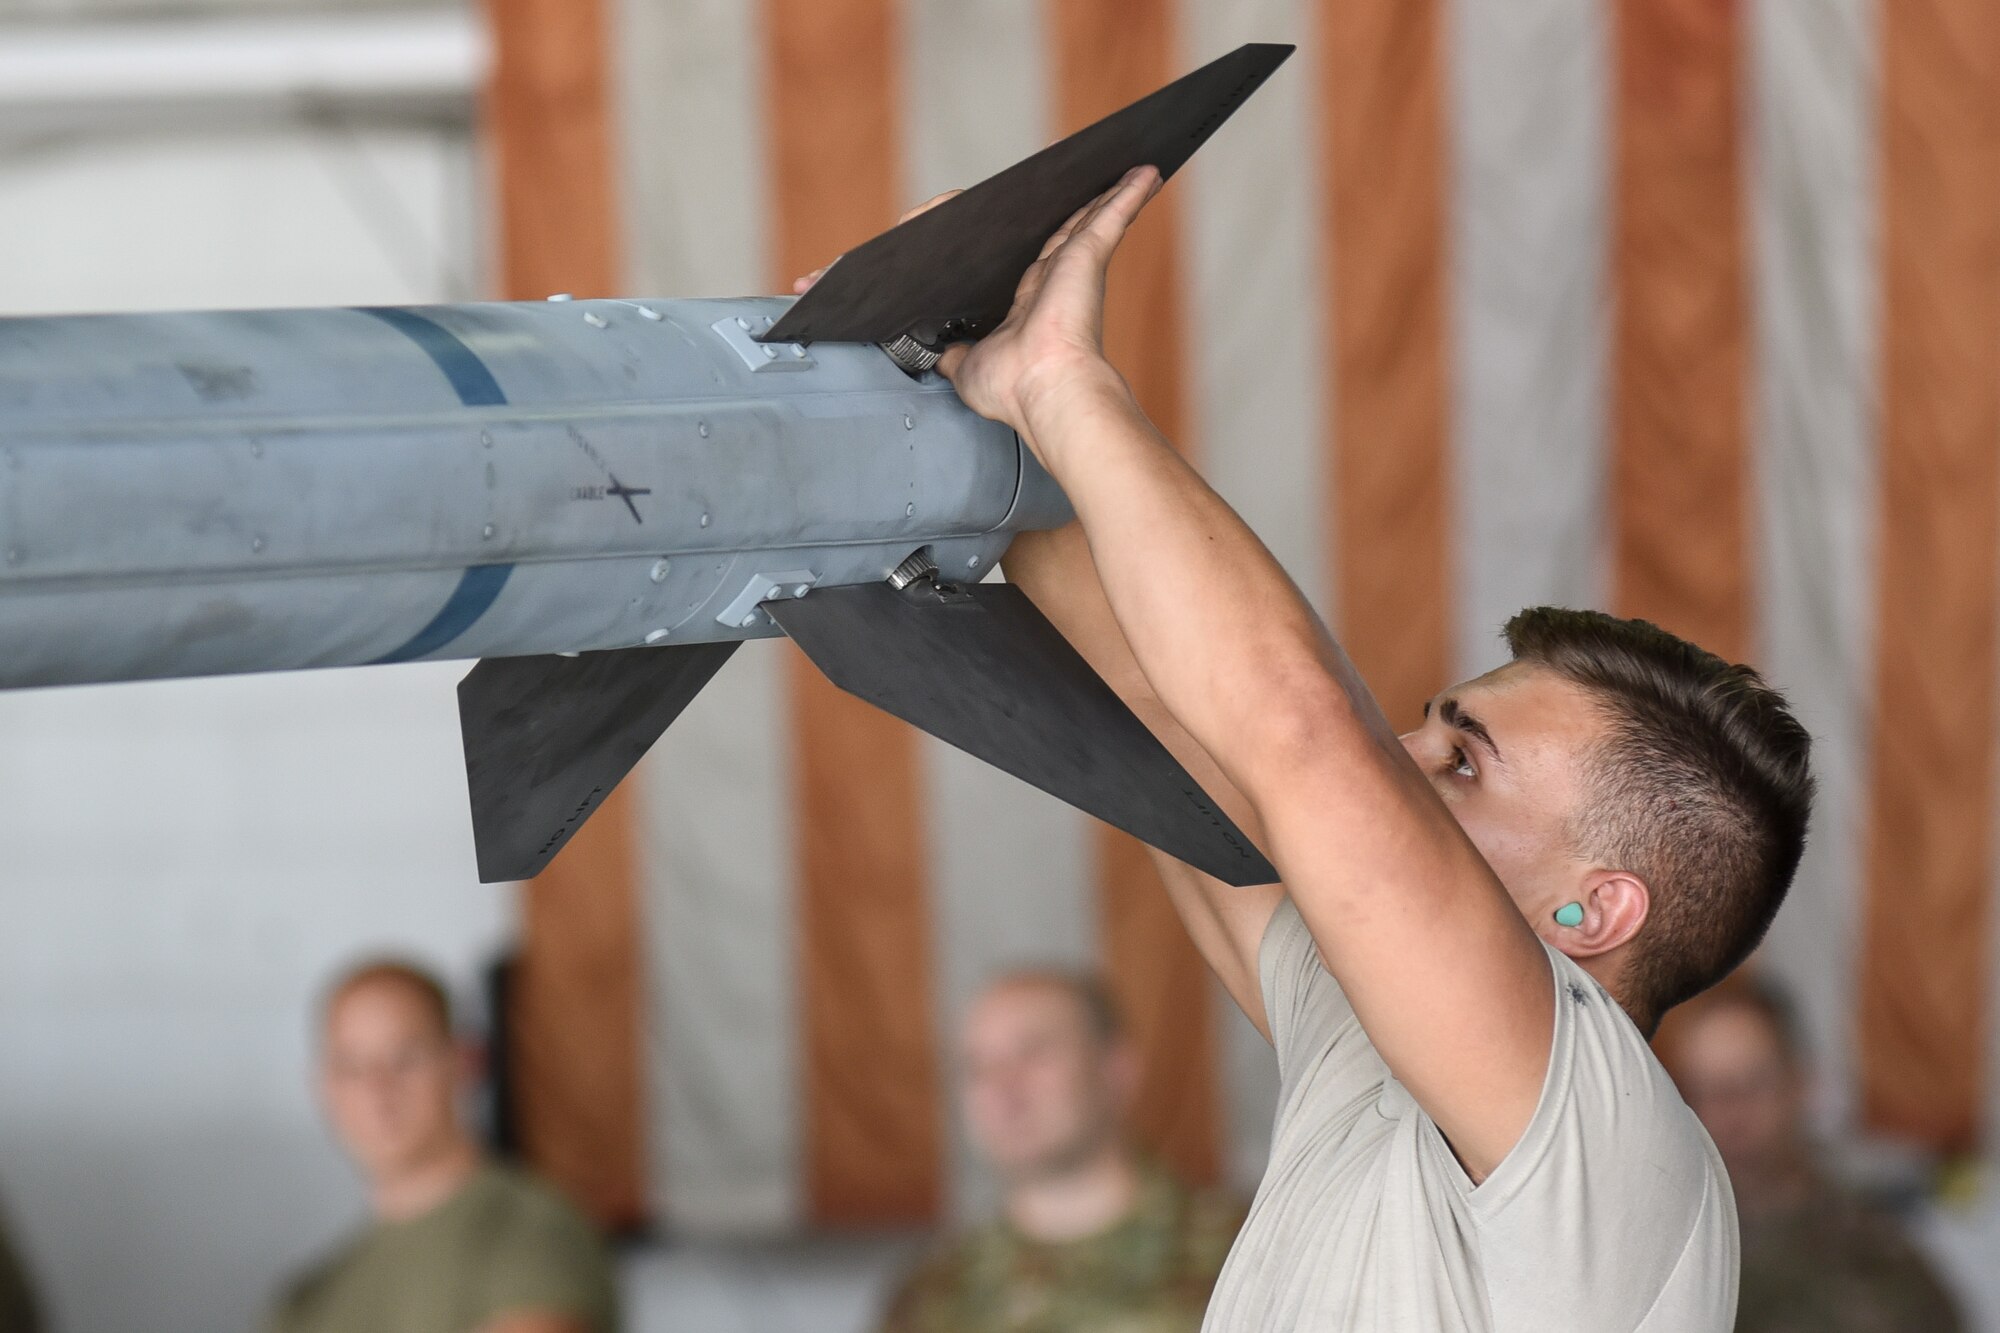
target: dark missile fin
949 275
547 738
981 668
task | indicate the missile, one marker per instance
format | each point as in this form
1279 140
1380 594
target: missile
598 499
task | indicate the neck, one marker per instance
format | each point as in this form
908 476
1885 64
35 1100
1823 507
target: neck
414 1188
1608 971
1078 1201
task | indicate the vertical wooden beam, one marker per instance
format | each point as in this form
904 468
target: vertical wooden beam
576 1056
873 1150
1930 859
1108 53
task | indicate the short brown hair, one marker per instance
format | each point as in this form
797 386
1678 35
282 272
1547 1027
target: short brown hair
419 980
1102 1016
1702 788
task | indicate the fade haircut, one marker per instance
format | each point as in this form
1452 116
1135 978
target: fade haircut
1701 787
418 980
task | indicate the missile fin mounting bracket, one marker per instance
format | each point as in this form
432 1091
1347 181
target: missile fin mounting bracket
547 738
948 275
979 667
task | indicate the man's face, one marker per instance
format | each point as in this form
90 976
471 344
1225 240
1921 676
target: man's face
1042 1091
1735 1075
1507 752
390 1076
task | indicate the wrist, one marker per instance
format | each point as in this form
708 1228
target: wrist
1064 392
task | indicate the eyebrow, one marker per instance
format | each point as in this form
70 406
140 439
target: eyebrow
1453 715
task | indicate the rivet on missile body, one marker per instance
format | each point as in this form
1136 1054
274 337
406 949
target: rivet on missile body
704 520
743 323
972 562
749 620
647 312
909 510
257 544
909 422
561 296
486 438
801 590
13 555
655 635
256 448
798 352
595 320
660 569
770 352
486 531
702 428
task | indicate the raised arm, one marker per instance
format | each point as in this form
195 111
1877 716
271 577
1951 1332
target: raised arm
1442 970
1225 922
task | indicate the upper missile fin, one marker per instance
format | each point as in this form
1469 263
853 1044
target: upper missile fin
949 275
547 738
981 668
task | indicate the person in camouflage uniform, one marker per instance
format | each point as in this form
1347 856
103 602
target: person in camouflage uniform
1091 1235
1816 1257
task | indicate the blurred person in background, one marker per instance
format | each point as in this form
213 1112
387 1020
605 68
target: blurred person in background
1817 1258
456 1243
1091 1234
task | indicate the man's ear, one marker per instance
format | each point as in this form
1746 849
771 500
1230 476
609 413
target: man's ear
1122 1071
1615 906
471 1062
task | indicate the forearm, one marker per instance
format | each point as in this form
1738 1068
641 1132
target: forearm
1221 634
1226 923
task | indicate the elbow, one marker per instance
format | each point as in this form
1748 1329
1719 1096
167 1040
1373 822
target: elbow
1311 722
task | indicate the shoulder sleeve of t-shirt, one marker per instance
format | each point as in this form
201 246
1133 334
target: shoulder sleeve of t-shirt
546 1258
1614 1191
1306 1007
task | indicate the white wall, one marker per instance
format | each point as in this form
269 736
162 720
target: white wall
182 863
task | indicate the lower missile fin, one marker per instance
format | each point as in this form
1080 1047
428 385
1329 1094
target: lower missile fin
981 668
547 738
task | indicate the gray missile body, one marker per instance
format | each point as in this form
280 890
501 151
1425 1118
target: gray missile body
599 500
196 494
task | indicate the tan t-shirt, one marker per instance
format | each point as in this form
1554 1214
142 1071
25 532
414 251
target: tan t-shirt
1611 1215
505 1243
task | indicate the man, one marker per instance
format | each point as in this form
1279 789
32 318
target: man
1479 921
457 1244
1090 1236
1815 1256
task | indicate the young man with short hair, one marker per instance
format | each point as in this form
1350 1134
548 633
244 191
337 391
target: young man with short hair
1091 1235
1817 1254
456 1243
1480 920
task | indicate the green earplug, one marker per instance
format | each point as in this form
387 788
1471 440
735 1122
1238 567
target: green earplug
1569 914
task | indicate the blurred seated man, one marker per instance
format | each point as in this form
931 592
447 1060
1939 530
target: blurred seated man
457 1244
1816 1258
1091 1235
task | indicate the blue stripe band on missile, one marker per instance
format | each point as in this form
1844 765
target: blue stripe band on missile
469 377
477 588
475 386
